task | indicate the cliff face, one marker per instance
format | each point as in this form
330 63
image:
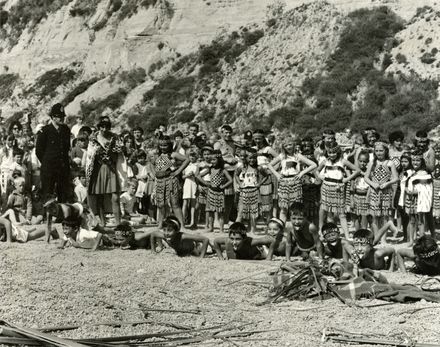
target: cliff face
93 44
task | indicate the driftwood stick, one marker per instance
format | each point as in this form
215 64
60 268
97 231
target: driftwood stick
42 337
114 324
244 278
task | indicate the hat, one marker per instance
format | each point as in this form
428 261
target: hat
16 173
104 121
247 135
226 127
57 110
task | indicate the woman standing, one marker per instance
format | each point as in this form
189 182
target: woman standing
104 172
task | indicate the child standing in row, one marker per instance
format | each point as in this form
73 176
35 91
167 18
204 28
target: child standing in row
249 177
219 180
290 175
359 202
419 196
190 188
406 171
167 189
381 175
332 172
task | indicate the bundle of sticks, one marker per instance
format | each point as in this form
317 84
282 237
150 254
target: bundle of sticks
11 334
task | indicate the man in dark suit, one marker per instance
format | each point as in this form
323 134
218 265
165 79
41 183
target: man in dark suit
52 149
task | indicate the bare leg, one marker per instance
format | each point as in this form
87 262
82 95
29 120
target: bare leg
160 216
283 214
253 224
411 229
185 209
192 205
177 210
210 221
116 208
344 224
221 223
7 224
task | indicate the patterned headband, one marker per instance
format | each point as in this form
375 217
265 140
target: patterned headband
418 138
428 254
380 143
277 221
330 231
165 141
175 222
362 241
217 154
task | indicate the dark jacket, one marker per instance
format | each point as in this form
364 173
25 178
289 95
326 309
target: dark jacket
52 146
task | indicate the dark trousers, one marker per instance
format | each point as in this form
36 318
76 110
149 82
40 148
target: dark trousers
56 182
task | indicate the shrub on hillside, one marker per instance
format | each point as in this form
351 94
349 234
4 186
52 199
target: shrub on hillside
47 84
79 89
7 85
427 58
84 8
95 107
401 59
28 13
133 78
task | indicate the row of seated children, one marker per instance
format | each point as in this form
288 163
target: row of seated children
303 239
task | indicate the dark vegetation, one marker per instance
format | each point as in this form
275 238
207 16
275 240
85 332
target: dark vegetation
127 80
26 13
7 85
181 86
47 84
389 101
78 89
123 8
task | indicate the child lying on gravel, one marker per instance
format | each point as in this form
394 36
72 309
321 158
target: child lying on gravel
426 256
183 243
125 237
362 250
333 244
304 233
79 237
239 245
279 239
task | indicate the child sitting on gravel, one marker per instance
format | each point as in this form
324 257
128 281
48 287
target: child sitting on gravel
239 245
362 250
184 244
79 237
426 256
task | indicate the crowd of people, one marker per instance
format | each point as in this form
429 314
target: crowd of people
386 187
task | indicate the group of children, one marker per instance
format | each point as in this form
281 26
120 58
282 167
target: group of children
182 180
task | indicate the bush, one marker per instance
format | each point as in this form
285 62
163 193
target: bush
401 59
251 37
79 89
28 13
113 101
185 116
7 85
427 58
150 119
47 83
84 8
133 78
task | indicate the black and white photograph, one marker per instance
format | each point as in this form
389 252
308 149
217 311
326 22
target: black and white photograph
231 173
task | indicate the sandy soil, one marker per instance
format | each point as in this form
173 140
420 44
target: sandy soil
44 286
